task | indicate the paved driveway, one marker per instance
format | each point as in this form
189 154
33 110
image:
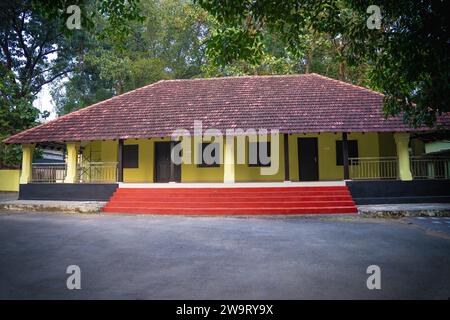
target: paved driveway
440 224
8 196
156 257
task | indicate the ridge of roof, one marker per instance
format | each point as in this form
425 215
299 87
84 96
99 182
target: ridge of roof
294 75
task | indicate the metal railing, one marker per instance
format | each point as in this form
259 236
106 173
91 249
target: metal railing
97 172
423 167
373 168
48 172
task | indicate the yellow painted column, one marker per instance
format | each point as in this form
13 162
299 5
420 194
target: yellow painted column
402 143
27 159
71 162
228 160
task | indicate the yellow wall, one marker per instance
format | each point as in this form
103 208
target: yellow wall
92 151
99 151
389 149
144 171
193 173
368 146
328 170
9 179
417 147
387 144
109 150
106 151
244 172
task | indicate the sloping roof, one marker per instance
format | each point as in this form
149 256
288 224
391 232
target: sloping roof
292 104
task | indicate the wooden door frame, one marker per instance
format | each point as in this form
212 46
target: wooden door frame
316 139
172 165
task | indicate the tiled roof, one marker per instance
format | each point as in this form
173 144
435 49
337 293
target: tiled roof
292 104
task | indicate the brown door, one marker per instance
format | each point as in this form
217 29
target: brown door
308 159
165 170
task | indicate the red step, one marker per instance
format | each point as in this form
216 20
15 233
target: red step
232 198
232 201
214 204
214 193
232 195
231 190
233 211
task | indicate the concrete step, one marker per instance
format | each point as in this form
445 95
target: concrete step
233 198
231 194
233 211
230 189
218 204
270 200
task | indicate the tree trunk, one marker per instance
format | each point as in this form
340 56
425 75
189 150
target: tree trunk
342 71
308 62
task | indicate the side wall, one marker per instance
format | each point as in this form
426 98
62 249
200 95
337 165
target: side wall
9 179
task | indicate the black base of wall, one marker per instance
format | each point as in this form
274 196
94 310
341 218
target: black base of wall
67 191
393 191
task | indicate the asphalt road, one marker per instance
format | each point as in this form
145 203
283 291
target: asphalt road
176 257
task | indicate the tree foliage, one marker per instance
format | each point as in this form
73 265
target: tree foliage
36 49
16 113
167 44
407 59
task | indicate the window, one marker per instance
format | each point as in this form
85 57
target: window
209 153
130 156
259 154
352 151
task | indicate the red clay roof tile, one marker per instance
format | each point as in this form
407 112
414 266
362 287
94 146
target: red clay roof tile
291 104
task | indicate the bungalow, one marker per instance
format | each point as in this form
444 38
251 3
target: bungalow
318 129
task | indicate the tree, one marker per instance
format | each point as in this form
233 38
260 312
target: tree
407 59
177 36
28 41
16 113
37 46
36 49
167 44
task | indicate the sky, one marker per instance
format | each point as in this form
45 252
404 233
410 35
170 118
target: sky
44 102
